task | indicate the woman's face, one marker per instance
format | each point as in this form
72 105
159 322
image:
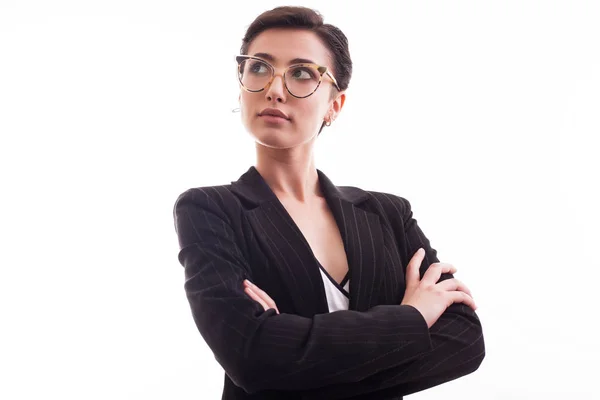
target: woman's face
305 115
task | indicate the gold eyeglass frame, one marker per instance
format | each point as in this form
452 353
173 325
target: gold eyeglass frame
321 69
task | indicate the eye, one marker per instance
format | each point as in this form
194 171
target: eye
302 73
258 68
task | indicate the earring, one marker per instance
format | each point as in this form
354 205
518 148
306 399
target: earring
328 122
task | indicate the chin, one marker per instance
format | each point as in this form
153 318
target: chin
273 141
274 138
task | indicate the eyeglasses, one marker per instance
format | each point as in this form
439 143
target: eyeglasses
300 80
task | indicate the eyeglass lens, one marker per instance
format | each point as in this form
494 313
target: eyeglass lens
300 80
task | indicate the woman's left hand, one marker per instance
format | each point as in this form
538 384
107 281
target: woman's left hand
259 295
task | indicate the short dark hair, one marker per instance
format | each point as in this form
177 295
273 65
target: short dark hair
305 18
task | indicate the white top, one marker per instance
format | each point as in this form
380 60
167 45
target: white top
338 296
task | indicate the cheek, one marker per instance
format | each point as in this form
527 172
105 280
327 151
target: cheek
246 106
245 100
309 112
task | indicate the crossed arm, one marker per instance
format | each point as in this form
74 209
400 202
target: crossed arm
335 355
426 371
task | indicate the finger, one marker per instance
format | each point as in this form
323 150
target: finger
254 296
263 295
462 297
454 284
435 271
412 270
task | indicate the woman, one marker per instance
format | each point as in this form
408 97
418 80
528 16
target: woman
303 289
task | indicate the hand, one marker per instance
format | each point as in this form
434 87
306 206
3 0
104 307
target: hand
428 296
259 295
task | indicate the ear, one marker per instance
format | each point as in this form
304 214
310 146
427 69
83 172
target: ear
337 105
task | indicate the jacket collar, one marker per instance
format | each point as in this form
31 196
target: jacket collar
253 188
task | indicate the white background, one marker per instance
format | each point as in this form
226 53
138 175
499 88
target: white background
485 115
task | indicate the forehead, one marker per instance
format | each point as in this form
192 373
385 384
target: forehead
286 45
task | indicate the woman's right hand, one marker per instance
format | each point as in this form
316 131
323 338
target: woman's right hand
428 296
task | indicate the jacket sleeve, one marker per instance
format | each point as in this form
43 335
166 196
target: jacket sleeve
457 338
262 350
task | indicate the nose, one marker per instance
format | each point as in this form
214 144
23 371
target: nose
276 90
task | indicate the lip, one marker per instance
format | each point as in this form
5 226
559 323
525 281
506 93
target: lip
273 112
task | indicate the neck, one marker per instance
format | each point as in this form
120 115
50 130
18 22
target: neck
290 173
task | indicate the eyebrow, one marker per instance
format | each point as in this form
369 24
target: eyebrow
269 57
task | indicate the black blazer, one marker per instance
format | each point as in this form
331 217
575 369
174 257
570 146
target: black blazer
377 349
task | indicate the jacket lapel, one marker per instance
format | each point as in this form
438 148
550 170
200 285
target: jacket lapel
280 236
283 242
363 241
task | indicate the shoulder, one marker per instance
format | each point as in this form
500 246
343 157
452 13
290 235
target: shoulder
207 214
392 206
215 199
390 202
204 193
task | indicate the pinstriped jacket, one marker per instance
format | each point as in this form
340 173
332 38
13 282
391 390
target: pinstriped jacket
378 349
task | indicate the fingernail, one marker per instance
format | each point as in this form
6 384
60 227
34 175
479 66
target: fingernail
422 250
247 282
